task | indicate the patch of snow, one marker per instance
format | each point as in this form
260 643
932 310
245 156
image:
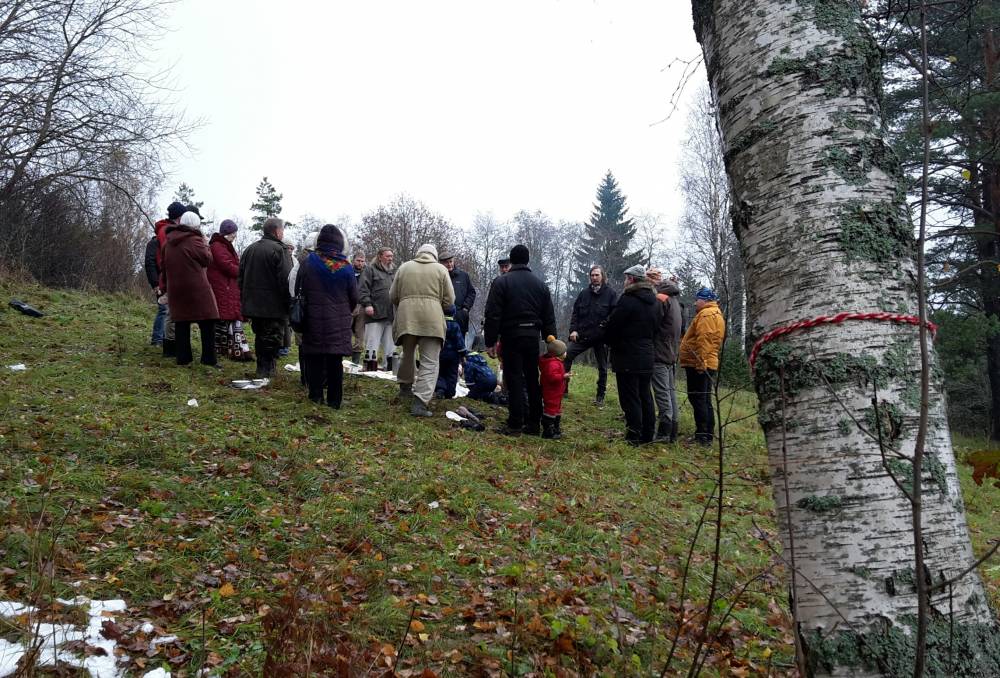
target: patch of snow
192 403
147 628
51 637
10 653
292 367
157 673
163 640
19 367
12 609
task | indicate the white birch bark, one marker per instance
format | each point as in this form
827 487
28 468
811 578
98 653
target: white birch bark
819 212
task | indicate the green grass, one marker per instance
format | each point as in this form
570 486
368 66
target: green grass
325 518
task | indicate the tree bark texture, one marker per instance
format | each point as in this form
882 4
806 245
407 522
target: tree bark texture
819 208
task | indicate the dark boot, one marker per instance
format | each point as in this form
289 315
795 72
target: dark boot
558 427
169 348
663 431
548 426
673 432
388 363
266 365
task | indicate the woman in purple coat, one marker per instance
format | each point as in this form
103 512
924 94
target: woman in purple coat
329 287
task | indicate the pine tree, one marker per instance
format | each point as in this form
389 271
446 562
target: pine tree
185 195
607 236
268 204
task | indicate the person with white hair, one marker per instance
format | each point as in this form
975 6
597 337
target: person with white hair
420 291
373 286
358 262
631 331
186 257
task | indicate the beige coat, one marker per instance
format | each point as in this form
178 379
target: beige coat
420 292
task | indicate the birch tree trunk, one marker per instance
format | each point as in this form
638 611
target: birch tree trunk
819 210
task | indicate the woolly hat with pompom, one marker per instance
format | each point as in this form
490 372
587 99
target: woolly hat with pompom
554 346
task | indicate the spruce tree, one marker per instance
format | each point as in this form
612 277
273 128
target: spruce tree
185 195
607 236
268 204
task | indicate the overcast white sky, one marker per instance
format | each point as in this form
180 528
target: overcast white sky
468 106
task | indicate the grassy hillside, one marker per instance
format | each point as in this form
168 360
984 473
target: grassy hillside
259 527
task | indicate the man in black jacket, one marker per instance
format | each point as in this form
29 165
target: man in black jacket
519 313
263 281
631 332
590 310
465 293
153 277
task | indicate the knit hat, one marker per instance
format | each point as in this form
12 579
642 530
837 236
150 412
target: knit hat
637 271
310 243
228 226
519 255
175 210
190 219
654 275
330 236
554 346
194 208
706 294
429 249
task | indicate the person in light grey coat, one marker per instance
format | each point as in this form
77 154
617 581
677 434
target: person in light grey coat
373 287
665 356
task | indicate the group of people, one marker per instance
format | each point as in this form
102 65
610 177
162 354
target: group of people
642 327
351 308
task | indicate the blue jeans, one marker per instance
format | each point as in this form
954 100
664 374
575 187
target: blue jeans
158 324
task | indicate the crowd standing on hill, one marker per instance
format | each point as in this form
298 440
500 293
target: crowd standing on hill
365 310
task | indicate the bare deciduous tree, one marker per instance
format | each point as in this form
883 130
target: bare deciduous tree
404 225
77 123
709 242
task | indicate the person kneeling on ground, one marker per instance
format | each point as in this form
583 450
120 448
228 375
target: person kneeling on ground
452 353
482 380
554 378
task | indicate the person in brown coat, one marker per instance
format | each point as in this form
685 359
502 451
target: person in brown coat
327 283
223 272
186 257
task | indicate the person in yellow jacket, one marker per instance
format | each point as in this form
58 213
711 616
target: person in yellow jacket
699 356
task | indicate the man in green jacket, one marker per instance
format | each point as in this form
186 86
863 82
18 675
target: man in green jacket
263 279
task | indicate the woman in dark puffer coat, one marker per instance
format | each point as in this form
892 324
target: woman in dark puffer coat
330 289
223 272
189 296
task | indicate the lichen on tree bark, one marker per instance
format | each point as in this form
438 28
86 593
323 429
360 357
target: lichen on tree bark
820 215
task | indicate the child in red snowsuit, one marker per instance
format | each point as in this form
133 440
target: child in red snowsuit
553 378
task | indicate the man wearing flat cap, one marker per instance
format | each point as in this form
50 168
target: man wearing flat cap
465 293
631 333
